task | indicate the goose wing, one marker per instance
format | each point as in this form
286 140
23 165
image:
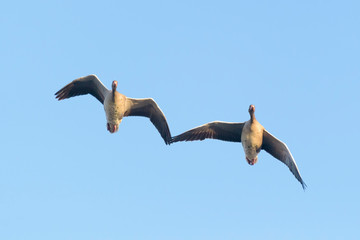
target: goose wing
280 151
148 108
84 85
225 131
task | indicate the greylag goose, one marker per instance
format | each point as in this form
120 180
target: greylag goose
251 134
116 105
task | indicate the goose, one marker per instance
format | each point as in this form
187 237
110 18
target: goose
116 105
251 134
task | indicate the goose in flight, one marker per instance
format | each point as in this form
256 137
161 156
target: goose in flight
116 105
251 134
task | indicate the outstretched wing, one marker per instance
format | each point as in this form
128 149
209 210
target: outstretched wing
148 108
84 85
280 151
216 130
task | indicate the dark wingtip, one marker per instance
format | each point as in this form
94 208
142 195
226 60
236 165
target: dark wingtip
174 140
57 94
167 137
59 97
181 138
303 184
60 94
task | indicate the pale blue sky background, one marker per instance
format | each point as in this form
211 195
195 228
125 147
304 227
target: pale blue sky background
63 176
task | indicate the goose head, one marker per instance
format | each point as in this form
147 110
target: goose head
252 112
251 109
114 85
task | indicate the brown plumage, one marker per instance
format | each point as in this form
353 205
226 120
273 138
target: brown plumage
251 134
117 105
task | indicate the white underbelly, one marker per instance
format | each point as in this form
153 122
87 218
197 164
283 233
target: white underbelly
113 116
250 149
114 112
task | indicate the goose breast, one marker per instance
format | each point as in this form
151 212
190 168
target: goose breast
114 106
251 139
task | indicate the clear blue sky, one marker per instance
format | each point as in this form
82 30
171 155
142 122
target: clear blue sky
63 176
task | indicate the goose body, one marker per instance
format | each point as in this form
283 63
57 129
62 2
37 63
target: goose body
251 139
117 105
114 106
251 134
